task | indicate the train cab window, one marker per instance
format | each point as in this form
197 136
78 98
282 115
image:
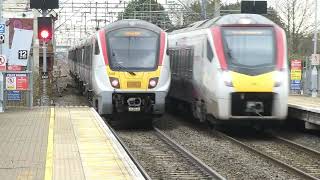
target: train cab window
209 51
96 48
133 49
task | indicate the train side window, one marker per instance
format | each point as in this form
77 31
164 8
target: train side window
209 51
190 64
90 55
96 48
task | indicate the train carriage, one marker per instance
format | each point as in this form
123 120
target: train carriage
124 67
232 67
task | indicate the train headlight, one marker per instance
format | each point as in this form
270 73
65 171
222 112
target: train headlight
226 77
278 77
115 82
153 83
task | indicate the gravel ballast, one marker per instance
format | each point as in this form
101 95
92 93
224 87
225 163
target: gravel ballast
227 158
158 159
303 138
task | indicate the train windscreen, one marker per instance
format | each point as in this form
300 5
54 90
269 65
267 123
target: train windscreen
132 49
249 48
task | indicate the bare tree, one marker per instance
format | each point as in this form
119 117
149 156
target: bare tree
297 18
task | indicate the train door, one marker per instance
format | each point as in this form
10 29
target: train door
78 62
90 66
90 87
84 65
96 63
208 68
199 43
82 76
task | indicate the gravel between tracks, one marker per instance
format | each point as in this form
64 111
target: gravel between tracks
70 95
308 140
227 158
287 153
157 158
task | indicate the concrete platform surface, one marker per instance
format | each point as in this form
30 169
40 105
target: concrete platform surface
305 103
60 143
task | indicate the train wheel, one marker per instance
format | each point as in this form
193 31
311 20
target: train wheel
199 110
96 105
171 105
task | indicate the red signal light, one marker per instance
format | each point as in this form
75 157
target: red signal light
45 30
44 34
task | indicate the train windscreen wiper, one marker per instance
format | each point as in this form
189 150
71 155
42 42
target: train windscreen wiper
121 67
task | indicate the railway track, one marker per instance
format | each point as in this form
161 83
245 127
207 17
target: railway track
135 161
292 156
163 158
212 173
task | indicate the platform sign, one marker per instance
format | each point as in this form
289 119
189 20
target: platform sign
20 49
2 28
1 92
3 63
16 82
315 59
295 74
295 85
2 38
14 96
15 68
44 75
296 69
23 54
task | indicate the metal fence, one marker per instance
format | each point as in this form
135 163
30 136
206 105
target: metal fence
306 79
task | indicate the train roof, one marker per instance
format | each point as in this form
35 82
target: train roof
132 23
230 19
118 25
243 19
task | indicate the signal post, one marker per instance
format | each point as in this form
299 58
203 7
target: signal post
45 33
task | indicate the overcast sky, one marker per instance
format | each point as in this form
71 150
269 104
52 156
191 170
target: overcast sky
77 21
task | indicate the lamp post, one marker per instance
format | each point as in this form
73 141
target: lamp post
314 71
1 76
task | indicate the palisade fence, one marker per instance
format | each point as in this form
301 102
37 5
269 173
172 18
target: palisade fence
306 85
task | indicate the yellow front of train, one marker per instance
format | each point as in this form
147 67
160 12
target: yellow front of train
137 69
254 73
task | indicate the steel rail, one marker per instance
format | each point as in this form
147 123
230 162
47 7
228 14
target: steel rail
291 143
189 155
135 161
283 164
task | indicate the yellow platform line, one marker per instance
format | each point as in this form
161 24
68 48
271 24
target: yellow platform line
49 158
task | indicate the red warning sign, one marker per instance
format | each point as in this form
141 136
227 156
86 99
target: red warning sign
296 64
3 63
17 82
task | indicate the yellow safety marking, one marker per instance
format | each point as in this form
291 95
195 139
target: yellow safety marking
49 158
141 79
260 83
98 157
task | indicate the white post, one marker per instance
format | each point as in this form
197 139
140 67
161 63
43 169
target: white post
1 75
314 74
203 9
36 45
217 8
44 98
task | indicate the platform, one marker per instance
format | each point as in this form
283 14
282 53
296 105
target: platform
305 108
61 143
